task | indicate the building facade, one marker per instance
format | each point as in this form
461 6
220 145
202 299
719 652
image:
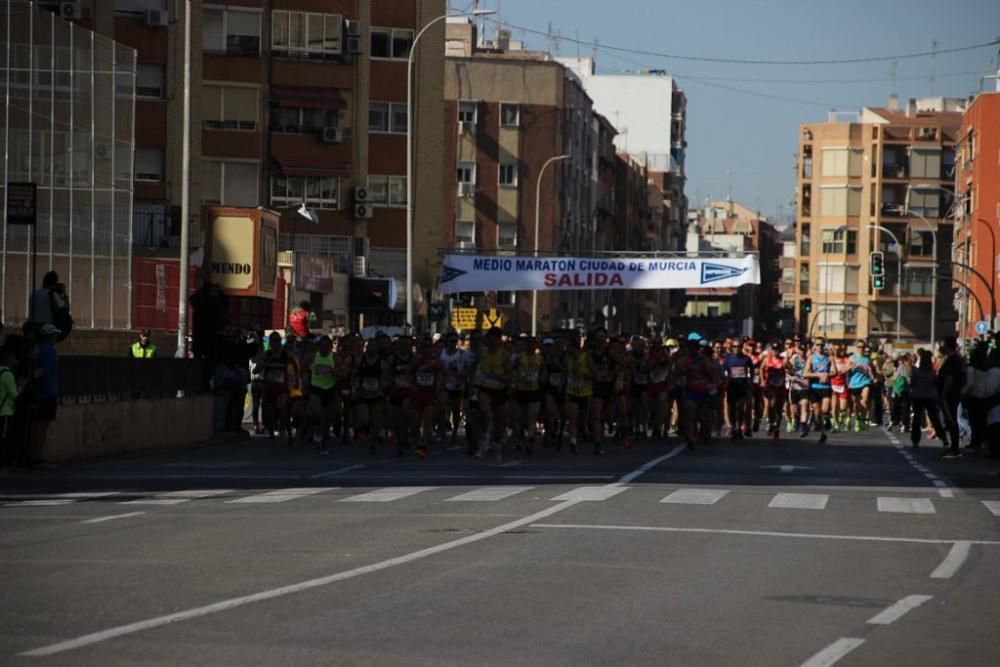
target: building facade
293 102
977 236
67 127
865 181
508 112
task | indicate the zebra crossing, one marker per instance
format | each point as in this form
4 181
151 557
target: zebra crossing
706 497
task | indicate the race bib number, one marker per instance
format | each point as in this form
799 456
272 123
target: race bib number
370 384
642 378
402 382
658 376
555 379
275 376
838 388
425 379
738 372
529 375
325 372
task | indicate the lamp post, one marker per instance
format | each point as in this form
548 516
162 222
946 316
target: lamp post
184 259
538 208
899 278
409 152
996 268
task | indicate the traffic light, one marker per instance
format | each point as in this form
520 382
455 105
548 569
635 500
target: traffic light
878 264
807 305
878 282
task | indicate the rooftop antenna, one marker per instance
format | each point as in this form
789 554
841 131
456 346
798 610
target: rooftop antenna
893 75
593 53
577 40
933 64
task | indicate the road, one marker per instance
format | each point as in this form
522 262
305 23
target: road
753 553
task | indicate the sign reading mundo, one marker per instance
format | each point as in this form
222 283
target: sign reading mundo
475 273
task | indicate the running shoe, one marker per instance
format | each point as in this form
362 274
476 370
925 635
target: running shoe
951 454
790 427
822 437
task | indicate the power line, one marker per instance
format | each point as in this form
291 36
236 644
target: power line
749 61
922 77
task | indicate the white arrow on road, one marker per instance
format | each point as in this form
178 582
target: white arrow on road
787 468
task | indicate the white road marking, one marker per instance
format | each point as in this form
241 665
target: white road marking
55 499
695 496
646 467
954 560
800 501
338 471
760 533
387 495
490 493
112 517
899 609
553 476
942 487
233 603
51 502
905 505
834 652
591 493
178 497
993 506
281 495
947 493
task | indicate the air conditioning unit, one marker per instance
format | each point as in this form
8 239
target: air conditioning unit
363 211
156 17
69 10
359 194
466 189
466 127
360 266
352 28
332 135
353 45
466 245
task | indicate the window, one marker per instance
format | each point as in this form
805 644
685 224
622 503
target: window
919 281
230 30
506 234
506 298
137 6
305 35
508 175
510 115
229 107
840 200
788 276
149 164
921 243
149 81
832 279
841 161
804 279
387 117
788 250
387 190
315 191
925 163
302 121
788 301
466 172
229 183
391 43
467 112
465 232
925 202
713 310
804 242
833 241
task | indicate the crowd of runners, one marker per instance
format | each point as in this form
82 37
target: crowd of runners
489 392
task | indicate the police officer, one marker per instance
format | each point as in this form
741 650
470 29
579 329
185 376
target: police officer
143 348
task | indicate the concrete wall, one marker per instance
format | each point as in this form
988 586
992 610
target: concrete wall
93 430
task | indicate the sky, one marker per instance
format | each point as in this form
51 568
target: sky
754 136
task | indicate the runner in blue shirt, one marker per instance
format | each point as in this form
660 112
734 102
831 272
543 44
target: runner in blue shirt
818 371
738 369
859 380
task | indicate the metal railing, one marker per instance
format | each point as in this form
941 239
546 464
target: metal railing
103 379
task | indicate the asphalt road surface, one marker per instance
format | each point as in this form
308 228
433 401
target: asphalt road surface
856 552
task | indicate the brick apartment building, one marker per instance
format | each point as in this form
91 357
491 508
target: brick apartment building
292 102
880 166
977 182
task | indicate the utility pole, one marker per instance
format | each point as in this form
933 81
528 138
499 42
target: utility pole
182 296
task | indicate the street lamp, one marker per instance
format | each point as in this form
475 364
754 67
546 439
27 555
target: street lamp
993 269
311 216
899 278
184 257
409 151
538 207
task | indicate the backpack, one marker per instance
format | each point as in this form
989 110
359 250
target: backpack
61 317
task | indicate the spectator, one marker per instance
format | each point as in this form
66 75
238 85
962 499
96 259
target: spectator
924 398
8 403
143 348
974 393
899 384
50 305
992 405
210 307
300 319
949 387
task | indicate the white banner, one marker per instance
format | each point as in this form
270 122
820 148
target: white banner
475 273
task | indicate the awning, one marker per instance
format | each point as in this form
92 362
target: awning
312 166
309 98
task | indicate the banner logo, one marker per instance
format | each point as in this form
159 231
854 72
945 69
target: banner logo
711 273
449 273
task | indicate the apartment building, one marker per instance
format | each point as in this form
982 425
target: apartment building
786 287
977 237
878 179
292 102
507 113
